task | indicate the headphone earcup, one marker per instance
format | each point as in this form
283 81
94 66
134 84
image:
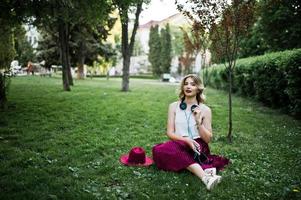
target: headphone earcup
183 105
193 107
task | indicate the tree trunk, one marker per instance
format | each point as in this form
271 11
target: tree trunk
230 106
205 80
3 90
108 74
80 66
195 63
68 56
70 76
63 50
80 69
125 55
126 74
127 49
203 68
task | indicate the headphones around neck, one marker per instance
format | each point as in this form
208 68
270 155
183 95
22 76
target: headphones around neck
183 106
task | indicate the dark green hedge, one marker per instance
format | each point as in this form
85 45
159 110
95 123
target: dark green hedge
274 79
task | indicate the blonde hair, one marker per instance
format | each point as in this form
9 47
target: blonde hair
199 96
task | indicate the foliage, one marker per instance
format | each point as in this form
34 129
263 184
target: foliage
61 16
277 27
177 41
196 40
226 22
205 12
165 52
253 44
154 50
160 50
24 50
7 53
87 43
185 63
86 40
280 23
273 79
58 145
48 47
4 87
226 35
191 49
138 50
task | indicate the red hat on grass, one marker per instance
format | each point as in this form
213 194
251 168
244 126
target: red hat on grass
136 157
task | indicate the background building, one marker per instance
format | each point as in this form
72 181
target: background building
140 63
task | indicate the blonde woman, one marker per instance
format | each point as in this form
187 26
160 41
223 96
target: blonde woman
189 130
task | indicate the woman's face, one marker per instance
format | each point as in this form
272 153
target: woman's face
190 88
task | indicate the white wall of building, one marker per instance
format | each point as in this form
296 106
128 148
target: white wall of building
32 35
140 64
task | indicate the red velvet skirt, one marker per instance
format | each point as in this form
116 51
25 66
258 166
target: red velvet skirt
177 155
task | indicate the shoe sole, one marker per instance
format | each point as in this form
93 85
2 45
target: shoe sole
219 179
213 184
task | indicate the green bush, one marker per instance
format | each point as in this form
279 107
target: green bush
273 79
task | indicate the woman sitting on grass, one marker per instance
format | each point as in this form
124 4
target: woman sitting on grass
189 130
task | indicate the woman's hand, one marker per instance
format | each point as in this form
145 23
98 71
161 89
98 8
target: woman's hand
198 115
193 144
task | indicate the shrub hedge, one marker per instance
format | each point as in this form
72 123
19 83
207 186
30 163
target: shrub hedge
274 79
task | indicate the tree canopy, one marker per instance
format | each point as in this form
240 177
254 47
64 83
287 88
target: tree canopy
277 26
166 50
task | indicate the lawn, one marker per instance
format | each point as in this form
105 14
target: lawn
66 145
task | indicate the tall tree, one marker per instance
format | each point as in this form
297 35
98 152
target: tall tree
189 53
48 47
154 54
24 50
87 40
252 44
177 41
276 27
235 23
63 14
166 50
124 7
227 24
196 41
7 53
185 62
280 23
11 16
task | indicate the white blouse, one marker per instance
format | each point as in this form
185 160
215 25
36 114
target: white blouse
182 122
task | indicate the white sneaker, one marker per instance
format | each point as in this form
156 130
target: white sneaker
210 171
211 181
219 178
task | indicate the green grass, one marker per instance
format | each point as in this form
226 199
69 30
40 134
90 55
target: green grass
66 145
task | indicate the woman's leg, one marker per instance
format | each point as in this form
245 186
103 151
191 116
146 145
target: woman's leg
197 170
209 180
